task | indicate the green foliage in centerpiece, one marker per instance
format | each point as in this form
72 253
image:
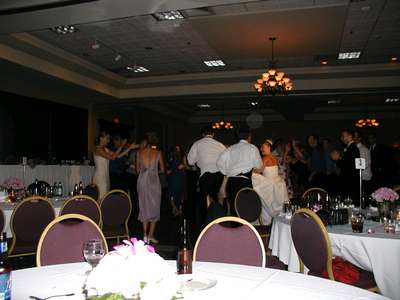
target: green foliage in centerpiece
108 296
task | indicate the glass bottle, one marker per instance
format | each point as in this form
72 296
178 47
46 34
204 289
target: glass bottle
60 189
76 192
184 260
36 187
5 269
80 189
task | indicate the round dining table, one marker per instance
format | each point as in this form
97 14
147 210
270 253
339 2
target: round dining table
232 282
376 251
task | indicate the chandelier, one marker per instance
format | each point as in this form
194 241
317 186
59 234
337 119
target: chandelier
367 123
273 82
222 125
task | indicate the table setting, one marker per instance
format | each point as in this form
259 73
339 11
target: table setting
368 244
134 271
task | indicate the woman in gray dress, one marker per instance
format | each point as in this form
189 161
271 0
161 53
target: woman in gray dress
149 163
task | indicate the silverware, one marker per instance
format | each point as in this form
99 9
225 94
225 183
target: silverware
54 296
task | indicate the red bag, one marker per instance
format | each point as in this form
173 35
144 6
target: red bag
343 271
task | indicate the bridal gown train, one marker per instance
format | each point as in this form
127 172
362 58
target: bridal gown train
101 177
272 191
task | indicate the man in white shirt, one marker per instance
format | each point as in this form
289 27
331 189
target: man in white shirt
366 174
204 153
237 162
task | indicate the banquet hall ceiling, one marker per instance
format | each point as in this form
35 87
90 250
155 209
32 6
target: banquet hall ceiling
308 32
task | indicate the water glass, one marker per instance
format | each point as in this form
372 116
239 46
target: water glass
93 251
357 223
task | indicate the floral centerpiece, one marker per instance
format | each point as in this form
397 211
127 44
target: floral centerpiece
132 271
385 198
15 188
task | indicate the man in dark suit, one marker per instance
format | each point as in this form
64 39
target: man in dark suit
349 175
382 164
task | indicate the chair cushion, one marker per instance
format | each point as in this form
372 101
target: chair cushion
346 272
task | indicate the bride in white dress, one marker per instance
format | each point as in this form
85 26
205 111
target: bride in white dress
102 157
270 186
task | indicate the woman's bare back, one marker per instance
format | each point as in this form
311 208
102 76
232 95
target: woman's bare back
147 157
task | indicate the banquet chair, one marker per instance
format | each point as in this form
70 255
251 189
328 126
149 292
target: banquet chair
312 244
116 209
92 190
28 220
84 205
235 245
62 240
248 206
2 220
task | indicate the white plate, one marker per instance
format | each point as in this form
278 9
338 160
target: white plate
193 282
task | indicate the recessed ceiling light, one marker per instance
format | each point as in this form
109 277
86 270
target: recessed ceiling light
64 29
204 105
391 100
349 55
334 101
324 62
137 69
394 58
214 63
117 57
168 15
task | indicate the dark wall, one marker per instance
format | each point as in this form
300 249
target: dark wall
41 129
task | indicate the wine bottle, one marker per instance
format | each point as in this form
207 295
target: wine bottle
5 269
60 189
184 261
80 188
76 192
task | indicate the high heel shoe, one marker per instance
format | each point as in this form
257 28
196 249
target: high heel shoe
152 240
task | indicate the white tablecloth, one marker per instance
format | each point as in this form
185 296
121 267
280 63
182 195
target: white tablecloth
67 175
378 252
9 207
233 282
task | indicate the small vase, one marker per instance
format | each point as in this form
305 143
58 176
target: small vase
384 209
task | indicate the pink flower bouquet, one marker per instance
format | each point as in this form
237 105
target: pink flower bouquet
385 194
13 183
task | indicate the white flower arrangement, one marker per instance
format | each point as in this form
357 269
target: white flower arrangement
133 270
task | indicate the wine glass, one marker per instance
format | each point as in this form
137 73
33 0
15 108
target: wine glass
93 250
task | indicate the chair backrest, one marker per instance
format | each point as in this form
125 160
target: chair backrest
235 245
83 205
2 220
62 240
28 220
115 208
311 241
91 190
248 204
